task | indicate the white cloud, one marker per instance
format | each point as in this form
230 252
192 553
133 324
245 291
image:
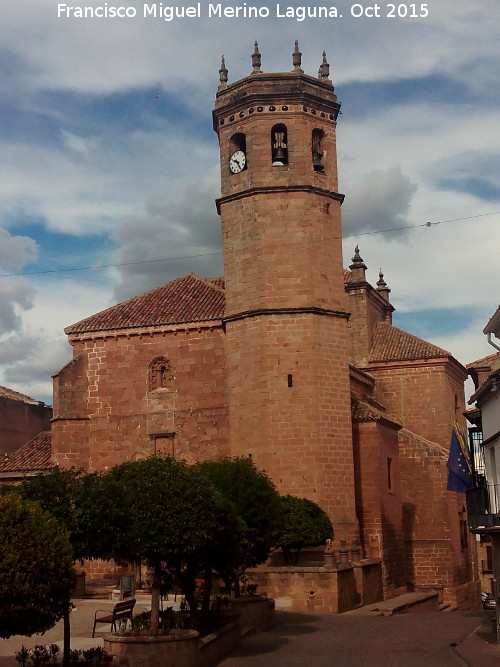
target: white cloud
185 226
101 56
381 200
149 186
16 251
14 347
15 296
82 145
468 344
88 184
40 347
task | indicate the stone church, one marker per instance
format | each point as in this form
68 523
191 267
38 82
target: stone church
290 358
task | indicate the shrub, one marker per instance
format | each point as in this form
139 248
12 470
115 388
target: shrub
36 573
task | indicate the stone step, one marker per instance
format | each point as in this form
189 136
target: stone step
402 604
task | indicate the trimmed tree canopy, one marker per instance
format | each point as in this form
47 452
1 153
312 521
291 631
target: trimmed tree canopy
304 524
163 508
36 573
165 512
256 502
74 498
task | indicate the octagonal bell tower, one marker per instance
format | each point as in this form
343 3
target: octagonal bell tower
286 324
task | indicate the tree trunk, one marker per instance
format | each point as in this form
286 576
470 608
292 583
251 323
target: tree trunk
207 589
187 580
66 633
155 599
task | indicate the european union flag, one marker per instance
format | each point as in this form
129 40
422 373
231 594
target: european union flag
459 468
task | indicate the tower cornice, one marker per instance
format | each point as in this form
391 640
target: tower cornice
307 310
277 189
268 90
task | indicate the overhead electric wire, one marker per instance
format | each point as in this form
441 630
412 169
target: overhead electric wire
212 254
425 224
107 266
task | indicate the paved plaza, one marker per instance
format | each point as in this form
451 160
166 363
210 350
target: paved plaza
449 639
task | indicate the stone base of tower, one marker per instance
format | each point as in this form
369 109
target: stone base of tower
287 414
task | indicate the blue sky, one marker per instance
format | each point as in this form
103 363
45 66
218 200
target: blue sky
108 157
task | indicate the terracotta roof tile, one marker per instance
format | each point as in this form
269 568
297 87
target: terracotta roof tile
218 282
485 360
362 411
34 455
391 344
492 380
16 396
186 299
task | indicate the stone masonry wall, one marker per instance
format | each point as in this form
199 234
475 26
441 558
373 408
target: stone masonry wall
438 546
426 397
20 422
124 418
378 499
291 407
321 589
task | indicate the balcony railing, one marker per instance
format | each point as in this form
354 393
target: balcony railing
483 506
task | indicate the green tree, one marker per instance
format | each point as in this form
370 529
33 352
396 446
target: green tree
252 494
76 500
303 523
167 514
36 573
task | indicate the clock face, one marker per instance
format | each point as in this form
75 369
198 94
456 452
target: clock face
237 162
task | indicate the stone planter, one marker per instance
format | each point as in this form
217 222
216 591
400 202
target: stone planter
179 649
256 613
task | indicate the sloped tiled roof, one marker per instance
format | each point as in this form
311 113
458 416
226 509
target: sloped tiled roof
492 379
484 360
392 344
33 456
218 282
15 395
362 411
186 299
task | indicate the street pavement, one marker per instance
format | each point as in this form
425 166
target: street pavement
439 639
436 639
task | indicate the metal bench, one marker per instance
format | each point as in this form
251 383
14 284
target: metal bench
121 610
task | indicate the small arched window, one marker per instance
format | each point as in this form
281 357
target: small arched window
238 142
160 374
317 150
279 145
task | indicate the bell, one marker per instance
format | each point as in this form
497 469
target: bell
279 154
317 164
